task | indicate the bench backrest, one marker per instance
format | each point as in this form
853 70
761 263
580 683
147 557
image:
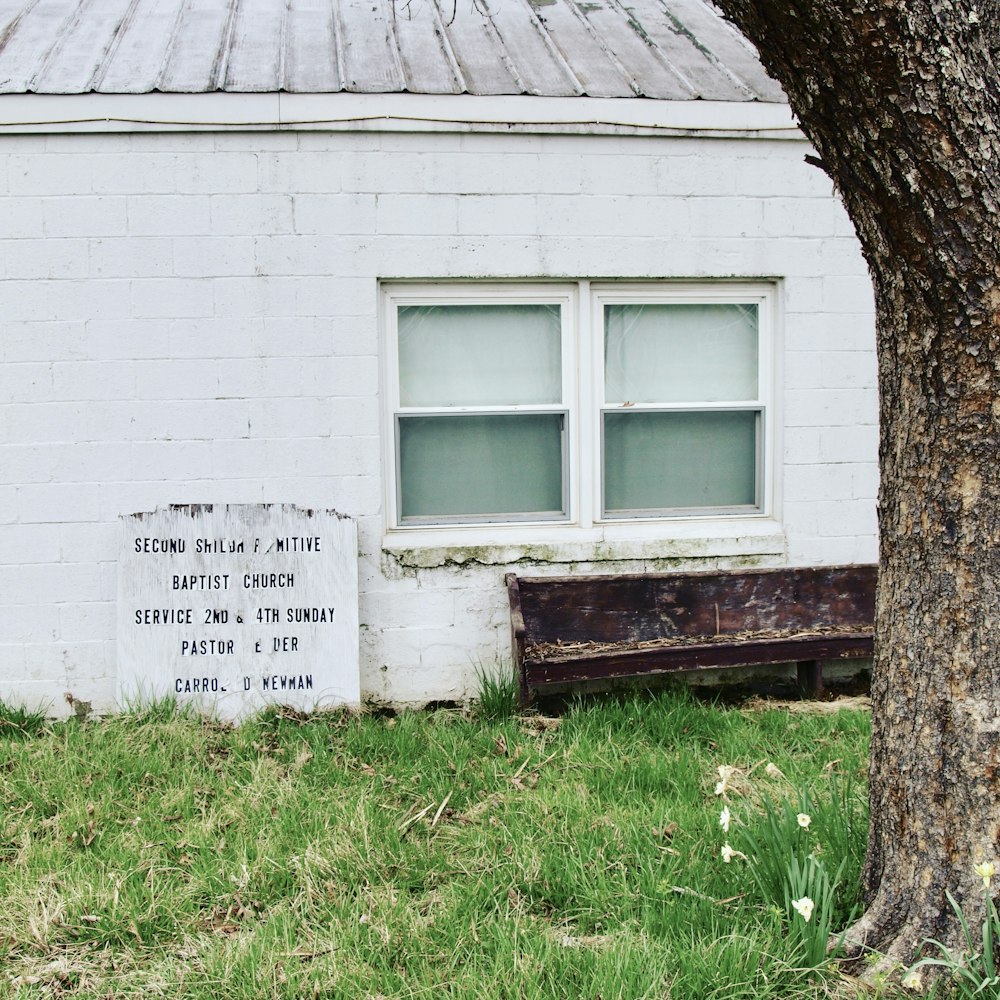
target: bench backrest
639 608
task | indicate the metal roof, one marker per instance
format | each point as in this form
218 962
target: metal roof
675 50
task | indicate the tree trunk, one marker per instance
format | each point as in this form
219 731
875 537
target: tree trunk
901 100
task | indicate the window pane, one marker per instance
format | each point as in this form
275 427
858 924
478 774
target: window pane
658 461
478 466
479 355
680 353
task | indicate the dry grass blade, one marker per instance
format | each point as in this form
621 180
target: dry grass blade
406 824
440 810
550 650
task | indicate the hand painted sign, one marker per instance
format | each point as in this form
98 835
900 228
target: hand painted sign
235 606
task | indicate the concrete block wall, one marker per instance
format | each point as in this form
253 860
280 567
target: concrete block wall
194 318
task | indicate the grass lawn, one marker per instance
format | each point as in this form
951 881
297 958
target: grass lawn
429 854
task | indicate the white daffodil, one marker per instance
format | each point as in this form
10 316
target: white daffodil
725 818
727 853
911 981
803 907
726 773
803 819
986 871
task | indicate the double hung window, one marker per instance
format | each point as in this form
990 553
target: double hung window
579 403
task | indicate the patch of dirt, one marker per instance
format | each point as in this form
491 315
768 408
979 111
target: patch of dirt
851 703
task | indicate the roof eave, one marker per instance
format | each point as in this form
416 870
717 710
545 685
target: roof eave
399 112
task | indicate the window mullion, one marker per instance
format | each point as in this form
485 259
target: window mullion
583 387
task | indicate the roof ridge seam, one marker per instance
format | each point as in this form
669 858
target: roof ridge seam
446 47
397 58
220 67
169 51
109 53
683 29
605 48
575 82
61 35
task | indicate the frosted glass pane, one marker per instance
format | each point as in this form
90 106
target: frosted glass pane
680 353
479 355
659 461
476 466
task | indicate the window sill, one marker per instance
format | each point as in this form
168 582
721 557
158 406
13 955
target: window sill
743 538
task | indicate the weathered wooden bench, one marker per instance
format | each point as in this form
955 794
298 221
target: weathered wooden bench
576 628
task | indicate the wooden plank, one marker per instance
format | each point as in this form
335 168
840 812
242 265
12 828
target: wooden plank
643 608
635 663
790 650
517 634
637 624
514 596
311 64
809 676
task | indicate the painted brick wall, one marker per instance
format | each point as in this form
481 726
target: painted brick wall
193 318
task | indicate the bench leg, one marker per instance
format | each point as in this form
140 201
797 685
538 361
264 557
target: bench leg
810 677
524 695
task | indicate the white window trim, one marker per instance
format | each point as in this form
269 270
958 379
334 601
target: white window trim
713 293
584 534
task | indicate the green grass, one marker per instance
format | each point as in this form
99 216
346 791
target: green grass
446 854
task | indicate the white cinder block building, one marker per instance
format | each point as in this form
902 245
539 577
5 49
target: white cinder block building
552 290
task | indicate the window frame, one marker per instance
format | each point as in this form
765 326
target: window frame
761 295
563 295
583 404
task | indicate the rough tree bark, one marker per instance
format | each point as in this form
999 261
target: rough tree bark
901 100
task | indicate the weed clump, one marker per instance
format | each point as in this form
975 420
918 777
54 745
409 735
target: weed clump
497 699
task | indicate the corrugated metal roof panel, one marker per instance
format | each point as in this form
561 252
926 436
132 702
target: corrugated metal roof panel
199 48
427 58
371 56
726 45
311 60
483 64
666 49
674 43
28 42
599 73
90 36
537 64
650 73
255 55
135 63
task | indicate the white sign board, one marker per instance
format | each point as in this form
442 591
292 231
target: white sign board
234 607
